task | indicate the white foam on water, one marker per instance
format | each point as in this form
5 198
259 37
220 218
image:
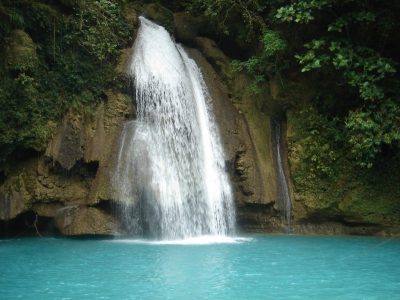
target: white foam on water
200 240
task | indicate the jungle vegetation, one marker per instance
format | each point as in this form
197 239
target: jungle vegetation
59 55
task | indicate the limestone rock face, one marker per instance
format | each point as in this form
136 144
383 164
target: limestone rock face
188 27
12 199
240 151
72 179
67 146
82 220
122 64
160 15
215 56
351 204
35 186
74 170
79 138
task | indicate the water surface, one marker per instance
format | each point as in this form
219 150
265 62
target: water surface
263 267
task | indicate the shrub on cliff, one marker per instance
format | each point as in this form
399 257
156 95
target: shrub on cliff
57 57
350 49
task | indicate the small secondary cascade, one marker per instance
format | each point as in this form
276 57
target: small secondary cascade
285 204
171 175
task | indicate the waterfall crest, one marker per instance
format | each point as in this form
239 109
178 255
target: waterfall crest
170 174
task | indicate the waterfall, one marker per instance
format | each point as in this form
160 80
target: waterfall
170 175
284 203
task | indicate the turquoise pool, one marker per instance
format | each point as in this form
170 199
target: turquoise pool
259 267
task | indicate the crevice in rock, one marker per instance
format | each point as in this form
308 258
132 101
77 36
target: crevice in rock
239 169
257 217
321 221
27 224
24 154
81 168
107 206
3 177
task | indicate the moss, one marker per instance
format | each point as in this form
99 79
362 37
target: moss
63 64
160 15
21 52
216 57
71 3
259 127
130 12
344 191
368 205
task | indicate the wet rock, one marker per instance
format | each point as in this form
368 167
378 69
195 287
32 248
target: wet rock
67 145
160 15
76 166
117 109
82 220
130 13
188 27
71 3
239 148
215 56
337 228
122 64
89 139
48 210
12 199
254 157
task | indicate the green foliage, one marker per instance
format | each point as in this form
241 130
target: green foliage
223 10
344 140
22 121
328 182
302 11
65 62
273 44
362 67
99 28
10 17
269 61
321 140
340 24
368 130
343 44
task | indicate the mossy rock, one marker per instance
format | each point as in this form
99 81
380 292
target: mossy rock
13 196
71 3
48 11
353 196
121 68
188 27
160 15
82 220
215 56
130 13
21 52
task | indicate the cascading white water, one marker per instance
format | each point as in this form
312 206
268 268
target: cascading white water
285 204
171 170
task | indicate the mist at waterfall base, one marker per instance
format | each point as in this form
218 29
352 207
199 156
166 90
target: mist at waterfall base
170 176
265 267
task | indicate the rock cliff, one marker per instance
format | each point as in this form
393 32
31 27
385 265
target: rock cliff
67 188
